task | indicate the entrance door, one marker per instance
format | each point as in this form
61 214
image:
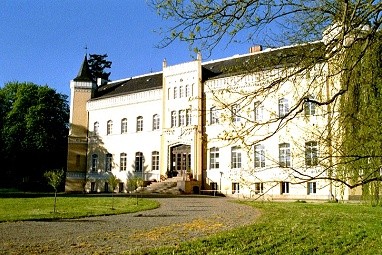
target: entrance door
180 160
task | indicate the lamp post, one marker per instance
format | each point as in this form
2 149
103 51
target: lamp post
220 186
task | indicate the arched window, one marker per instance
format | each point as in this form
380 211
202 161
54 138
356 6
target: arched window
181 118
236 157
173 119
155 160
283 107
122 161
108 162
94 163
155 122
109 127
96 128
123 126
214 158
139 123
284 155
311 153
138 166
259 155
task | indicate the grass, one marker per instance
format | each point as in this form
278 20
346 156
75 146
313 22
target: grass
68 207
295 228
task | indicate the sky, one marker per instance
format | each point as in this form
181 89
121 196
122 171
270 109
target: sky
45 41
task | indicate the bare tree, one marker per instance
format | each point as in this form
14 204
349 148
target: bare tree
332 40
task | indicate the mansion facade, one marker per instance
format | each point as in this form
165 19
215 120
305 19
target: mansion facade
232 130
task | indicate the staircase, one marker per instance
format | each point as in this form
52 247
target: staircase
169 186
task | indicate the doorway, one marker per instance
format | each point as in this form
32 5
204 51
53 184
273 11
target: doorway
180 160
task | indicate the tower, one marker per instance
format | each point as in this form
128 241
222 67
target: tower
82 89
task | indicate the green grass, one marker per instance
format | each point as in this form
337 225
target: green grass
41 208
296 228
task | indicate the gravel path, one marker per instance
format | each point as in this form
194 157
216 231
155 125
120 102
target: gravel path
177 219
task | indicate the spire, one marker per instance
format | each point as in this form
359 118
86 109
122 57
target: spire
84 73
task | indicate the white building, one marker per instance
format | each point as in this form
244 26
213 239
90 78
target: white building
229 127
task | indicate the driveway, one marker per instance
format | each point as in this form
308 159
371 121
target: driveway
177 219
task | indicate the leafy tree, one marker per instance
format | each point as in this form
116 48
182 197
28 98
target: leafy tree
54 178
33 131
98 64
349 51
113 182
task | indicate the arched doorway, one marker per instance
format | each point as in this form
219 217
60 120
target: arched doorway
180 160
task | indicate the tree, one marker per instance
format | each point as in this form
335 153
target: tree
54 178
34 126
98 64
113 182
346 35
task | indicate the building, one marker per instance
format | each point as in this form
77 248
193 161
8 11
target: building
227 127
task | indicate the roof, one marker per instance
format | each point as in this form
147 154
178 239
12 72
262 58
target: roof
270 58
135 84
302 54
84 72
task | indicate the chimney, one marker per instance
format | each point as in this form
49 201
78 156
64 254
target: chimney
255 48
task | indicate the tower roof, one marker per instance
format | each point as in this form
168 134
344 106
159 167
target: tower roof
84 73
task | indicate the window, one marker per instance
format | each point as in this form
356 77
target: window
309 107
155 122
214 118
235 113
283 107
123 126
155 160
235 157
173 119
139 123
108 162
175 92
235 187
122 162
96 128
284 155
188 117
94 162
284 187
259 111
181 91
312 188
109 127
181 118
311 153
259 155
188 92
214 158
259 188
93 187
138 166
168 94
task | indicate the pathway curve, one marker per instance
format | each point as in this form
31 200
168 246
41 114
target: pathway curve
177 219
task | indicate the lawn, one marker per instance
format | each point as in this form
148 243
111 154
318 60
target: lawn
295 228
41 207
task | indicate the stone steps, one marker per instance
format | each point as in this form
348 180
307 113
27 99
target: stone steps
168 186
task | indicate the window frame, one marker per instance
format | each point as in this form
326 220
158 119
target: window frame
94 164
214 119
284 155
155 160
124 126
214 158
173 119
108 162
235 109
109 127
283 107
139 127
236 159
138 162
96 128
122 161
156 122
259 156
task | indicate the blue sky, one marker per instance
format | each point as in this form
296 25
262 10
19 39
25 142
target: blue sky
43 41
